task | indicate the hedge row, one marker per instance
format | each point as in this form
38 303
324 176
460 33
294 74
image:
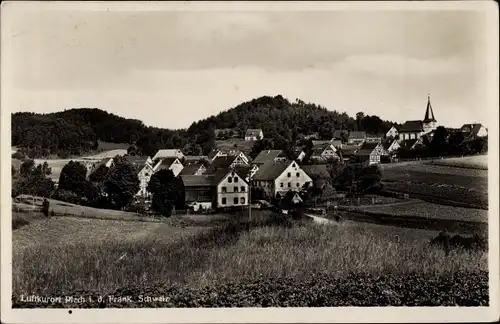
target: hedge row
457 289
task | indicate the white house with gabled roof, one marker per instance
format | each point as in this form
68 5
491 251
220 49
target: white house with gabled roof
280 177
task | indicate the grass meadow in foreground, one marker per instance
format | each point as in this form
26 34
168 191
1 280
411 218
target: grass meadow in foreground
66 255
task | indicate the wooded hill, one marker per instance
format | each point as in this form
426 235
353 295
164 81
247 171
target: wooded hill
77 131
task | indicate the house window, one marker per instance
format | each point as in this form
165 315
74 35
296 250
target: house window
281 184
242 189
289 174
223 201
235 200
235 179
298 174
229 179
289 185
224 189
235 189
242 200
298 184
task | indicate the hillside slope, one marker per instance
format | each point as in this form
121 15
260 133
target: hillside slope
79 131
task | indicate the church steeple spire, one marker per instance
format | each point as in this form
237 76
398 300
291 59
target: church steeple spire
429 114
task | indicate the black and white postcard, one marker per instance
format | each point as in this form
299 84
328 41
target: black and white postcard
210 162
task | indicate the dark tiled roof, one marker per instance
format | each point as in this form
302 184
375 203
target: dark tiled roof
357 135
270 170
223 161
243 170
412 126
266 156
471 129
319 149
349 150
191 169
197 180
166 162
316 171
408 143
367 148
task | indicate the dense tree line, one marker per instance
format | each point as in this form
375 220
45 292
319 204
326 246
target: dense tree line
445 143
77 131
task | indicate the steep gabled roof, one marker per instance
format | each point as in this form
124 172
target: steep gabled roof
349 150
471 129
412 126
166 163
223 161
213 153
197 180
317 171
266 156
387 144
319 149
270 170
429 113
357 135
367 148
408 144
220 174
191 169
243 170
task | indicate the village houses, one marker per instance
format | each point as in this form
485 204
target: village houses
193 169
324 152
269 155
232 189
223 189
474 130
370 153
254 135
144 172
392 132
171 163
168 153
276 178
414 129
356 137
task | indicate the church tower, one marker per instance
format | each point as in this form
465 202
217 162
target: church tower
429 123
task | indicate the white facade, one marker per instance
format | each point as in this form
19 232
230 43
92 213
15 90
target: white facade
482 132
393 132
232 191
144 176
254 137
293 178
408 136
393 147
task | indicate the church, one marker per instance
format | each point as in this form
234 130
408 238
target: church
414 129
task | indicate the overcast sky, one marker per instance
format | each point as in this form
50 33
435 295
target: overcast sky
170 68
